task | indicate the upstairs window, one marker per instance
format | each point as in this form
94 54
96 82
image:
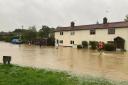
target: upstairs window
61 33
72 33
111 31
92 32
71 42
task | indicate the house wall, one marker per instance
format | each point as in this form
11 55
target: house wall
84 35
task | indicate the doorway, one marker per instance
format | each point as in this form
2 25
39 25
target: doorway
119 43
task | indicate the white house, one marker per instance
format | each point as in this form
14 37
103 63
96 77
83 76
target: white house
116 32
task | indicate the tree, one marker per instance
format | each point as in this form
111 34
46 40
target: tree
40 33
29 34
17 31
46 32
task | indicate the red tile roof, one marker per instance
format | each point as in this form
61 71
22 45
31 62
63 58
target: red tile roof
95 26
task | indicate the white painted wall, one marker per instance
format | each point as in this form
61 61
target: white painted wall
84 35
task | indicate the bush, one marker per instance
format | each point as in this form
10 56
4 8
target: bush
51 41
93 44
79 46
85 44
109 47
7 38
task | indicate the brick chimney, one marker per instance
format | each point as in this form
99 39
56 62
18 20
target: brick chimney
105 20
72 24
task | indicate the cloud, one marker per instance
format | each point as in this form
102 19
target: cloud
15 13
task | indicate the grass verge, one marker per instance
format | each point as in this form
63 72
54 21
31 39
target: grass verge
16 75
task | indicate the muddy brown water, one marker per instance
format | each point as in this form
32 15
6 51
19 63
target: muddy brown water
112 65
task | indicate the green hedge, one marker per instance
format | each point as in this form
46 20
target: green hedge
109 47
93 44
85 44
79 46
51 41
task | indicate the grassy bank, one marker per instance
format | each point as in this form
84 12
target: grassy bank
15 75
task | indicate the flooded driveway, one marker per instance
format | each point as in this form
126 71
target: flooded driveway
81 61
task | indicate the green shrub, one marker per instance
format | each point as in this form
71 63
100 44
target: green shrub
109 47
51 41
85 44
79 46
7 39
93 44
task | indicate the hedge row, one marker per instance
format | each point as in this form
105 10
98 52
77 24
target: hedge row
94 44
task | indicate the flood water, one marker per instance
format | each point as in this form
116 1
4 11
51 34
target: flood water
112 65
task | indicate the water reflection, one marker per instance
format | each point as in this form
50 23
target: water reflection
81 61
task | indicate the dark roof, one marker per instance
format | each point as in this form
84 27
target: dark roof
122 24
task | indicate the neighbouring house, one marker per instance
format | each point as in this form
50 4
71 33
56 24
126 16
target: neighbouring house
114 32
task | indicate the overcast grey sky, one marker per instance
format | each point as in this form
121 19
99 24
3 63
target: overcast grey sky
15 13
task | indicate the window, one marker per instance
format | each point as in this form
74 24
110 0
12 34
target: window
61 33
61 41
111 31
92 32
71 42
72 33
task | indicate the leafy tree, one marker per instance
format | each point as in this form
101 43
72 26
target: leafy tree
18 30
46 32
29 34
40 33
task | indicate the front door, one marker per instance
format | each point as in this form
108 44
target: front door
119 43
